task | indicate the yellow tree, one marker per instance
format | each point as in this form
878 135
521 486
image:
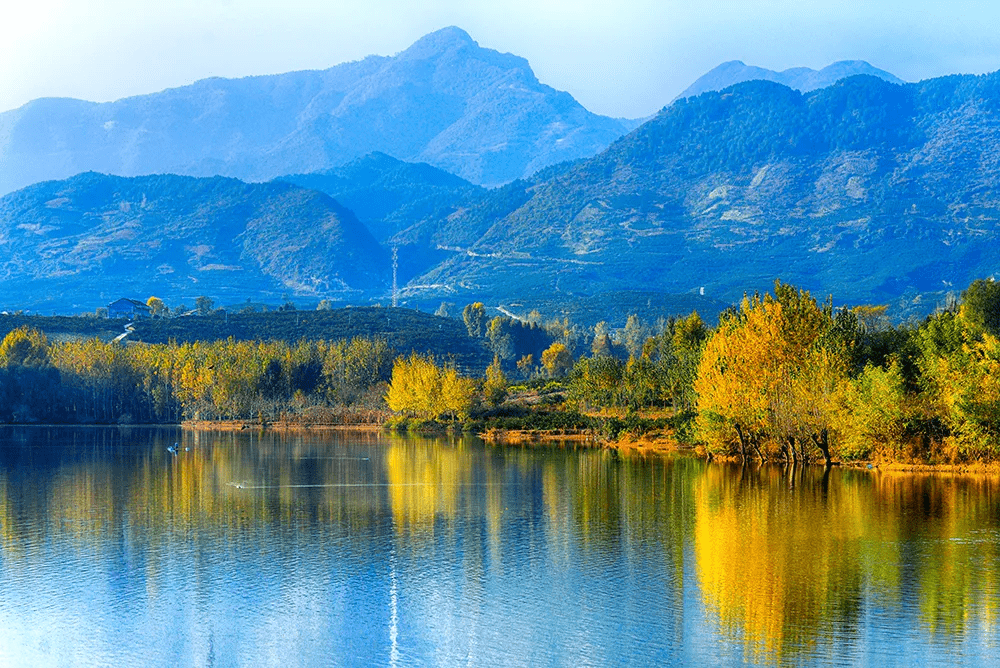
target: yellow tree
768 375
421 388
557 359
25 347
156 306
495 384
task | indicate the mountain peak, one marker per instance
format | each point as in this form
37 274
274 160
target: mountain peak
445 100
440 41
802 79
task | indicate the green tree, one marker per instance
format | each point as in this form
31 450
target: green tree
526 365
494 384
634 335
474 316
601 345
874 412
156 307
981 307
204 305
499 337
690 332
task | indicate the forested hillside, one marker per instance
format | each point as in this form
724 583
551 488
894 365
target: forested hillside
871 191
403 330
88 240
874 192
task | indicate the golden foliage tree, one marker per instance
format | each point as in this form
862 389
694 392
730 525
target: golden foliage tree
423 389
557 359
25 347
156 307
495 384
767 376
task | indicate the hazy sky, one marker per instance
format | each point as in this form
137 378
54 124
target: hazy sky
625 58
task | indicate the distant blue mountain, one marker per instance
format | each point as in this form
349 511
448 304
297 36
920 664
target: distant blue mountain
870 191
802 79
93 238
390 195
445 101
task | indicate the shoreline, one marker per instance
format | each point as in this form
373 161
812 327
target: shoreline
278 425
658 444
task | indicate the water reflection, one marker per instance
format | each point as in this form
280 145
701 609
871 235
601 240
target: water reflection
364 548
803 563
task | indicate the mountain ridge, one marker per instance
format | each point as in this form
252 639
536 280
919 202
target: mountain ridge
865 189
802 79
445 100
96 236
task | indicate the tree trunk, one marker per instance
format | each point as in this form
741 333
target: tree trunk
743 442
822 442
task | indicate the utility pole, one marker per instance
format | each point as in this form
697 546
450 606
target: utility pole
395 267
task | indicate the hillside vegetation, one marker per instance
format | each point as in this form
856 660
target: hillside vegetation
783 377
94 238
867 190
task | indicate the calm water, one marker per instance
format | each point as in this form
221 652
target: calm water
365 549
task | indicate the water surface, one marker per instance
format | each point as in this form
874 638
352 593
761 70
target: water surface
369 549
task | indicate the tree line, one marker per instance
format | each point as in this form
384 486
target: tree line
785 377
781 377
90 381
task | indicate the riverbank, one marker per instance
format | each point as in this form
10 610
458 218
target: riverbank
278 425
659 443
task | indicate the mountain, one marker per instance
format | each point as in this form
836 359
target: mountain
802 79
868 190
445 100
390 195
93 238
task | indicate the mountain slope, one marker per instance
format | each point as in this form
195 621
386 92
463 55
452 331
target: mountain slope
867 190
92 238
802 79
390 195
471 111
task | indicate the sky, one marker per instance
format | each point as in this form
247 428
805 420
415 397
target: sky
627 58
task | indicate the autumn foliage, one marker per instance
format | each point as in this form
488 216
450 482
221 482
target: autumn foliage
422 388
768 376
92 381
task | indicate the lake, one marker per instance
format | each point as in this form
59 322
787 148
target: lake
358 549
